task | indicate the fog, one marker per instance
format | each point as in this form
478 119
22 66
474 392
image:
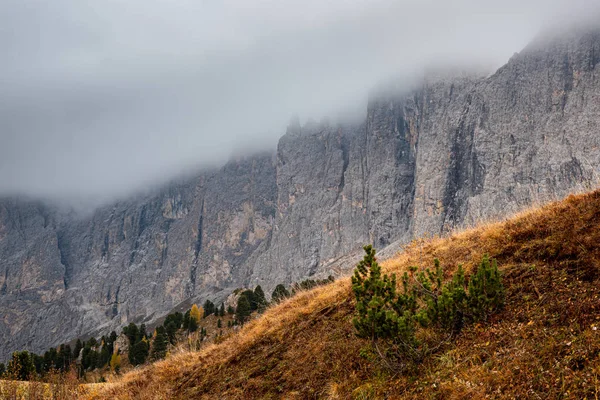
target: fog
103 98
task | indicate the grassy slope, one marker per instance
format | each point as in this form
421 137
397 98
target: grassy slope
543 345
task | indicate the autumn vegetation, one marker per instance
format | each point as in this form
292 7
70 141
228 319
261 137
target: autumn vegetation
539 339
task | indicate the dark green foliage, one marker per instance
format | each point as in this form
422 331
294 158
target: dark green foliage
192 325
209 308
104 356
89 359
486 291
77 349
171 329
385 316
186 320
242 312
139 352
260 299
230 310
249 294
280 293
21 366
219 324
160 343
50 359
141 333
175 319
222 310
38 362
229 324
132 332
2 369
92 342
63 358
380 313
310 284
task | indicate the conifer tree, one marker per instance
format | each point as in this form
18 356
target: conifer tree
2 369
171 329
222 310
209 308
219 323
249 294
104 357
280 293
186 320
142 333
160 343
38 362
139 352
50 359
131 331
77 349
243 310
260 299
230 310
486 291
21 366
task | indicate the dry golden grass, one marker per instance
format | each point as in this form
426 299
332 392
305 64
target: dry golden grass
56 386
544 344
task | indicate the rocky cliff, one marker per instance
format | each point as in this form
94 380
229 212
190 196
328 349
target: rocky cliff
451 152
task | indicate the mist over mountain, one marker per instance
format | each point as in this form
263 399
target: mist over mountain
102 100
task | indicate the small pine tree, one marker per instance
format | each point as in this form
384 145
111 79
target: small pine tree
379 314
209 308
486 291
186 320
38 362
222 310
77 349
139 352
230 310
2 369
260 299
171 329
219 323
132 332
50 359
141 333
243 310
249 294
160 344
280 293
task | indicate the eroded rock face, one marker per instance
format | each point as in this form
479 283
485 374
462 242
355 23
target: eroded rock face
452 152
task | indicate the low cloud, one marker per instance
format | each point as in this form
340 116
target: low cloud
103 98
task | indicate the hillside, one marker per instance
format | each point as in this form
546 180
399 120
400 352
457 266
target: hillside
544 344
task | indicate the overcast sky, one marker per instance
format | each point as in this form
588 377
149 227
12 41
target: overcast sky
101 98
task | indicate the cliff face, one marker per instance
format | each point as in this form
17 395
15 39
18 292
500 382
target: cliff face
452 152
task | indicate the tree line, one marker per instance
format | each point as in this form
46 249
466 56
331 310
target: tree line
88 355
